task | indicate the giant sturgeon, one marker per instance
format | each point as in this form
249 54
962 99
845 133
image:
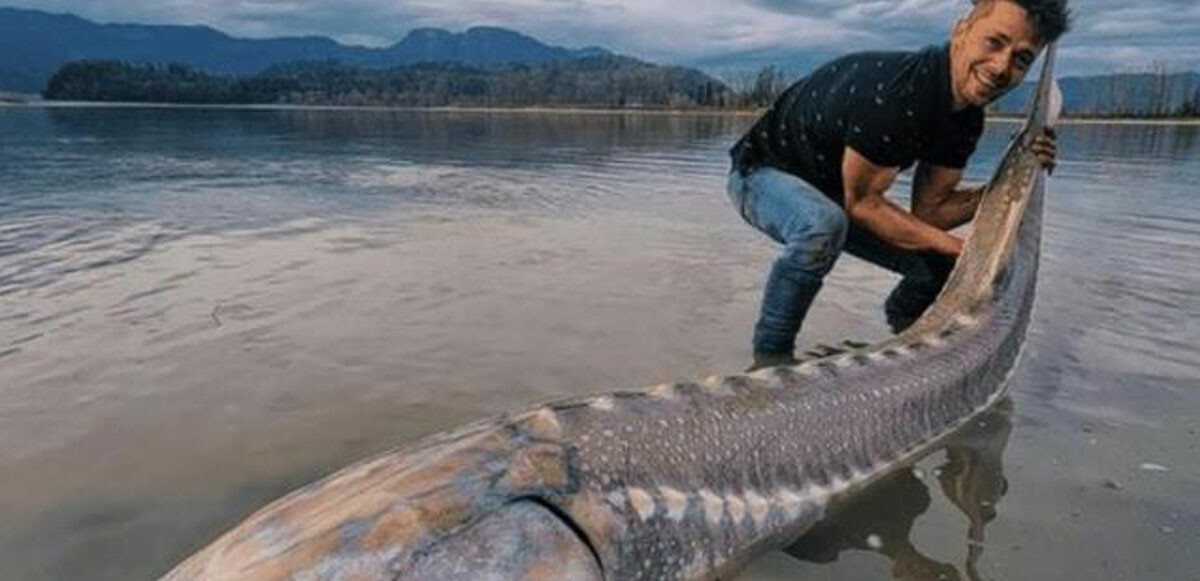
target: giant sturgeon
682 481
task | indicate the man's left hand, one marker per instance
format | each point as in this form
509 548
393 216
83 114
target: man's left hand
1045 147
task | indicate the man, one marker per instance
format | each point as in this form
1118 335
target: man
812 172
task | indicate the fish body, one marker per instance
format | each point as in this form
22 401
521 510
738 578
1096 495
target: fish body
681 481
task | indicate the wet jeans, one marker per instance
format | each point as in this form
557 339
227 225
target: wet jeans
813 230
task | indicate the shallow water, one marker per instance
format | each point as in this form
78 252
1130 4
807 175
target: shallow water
201 309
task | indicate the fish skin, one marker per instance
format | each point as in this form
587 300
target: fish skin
684 481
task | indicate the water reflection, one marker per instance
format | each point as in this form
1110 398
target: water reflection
477 138
881 517
1140 142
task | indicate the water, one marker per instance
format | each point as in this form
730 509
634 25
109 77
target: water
201 309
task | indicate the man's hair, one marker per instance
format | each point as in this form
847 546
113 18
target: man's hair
1050 18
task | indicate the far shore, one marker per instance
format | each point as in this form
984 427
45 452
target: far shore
541 110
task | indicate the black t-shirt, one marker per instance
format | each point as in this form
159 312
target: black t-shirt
894 108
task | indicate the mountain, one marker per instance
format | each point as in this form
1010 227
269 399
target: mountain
33 44
1125 94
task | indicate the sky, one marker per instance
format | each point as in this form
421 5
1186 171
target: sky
1108 35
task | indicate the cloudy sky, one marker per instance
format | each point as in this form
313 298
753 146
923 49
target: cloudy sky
1109 35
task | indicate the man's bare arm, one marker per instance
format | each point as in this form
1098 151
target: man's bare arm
939 200
864 184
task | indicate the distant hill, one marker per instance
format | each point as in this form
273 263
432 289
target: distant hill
34 44
1119 95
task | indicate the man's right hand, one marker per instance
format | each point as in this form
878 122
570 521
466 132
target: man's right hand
1045 147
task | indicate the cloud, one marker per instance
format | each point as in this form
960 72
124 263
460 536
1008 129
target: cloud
1109 34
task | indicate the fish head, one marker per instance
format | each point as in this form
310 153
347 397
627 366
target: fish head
522 541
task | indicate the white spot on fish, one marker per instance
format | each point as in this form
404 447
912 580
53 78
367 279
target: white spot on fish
759 508
643 503
604 403
844 361
542 423
965 320
790 502
768 375
663 391
876 356
918 473
809 369
616 499
874 542
817 494
934 341
1152 467
713 506
737 508
676 502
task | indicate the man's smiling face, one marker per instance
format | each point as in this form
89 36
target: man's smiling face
990 52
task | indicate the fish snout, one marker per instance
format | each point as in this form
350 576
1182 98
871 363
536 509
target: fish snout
521 541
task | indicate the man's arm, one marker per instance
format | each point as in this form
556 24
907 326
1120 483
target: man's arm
864 184
938 199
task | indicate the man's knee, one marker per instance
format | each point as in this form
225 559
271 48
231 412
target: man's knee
814 241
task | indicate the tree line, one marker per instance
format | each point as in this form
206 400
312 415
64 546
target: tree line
602 81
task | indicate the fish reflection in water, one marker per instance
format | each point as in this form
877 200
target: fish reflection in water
881 517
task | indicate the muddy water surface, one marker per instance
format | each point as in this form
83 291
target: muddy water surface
202 309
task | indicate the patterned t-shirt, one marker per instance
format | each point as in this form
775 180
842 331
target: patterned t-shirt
894 108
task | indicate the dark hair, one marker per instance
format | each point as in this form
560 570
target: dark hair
1050 18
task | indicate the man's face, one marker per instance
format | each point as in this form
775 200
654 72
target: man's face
990 52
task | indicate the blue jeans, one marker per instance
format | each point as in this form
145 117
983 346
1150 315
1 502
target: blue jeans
814 231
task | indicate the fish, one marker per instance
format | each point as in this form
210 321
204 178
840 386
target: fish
680 481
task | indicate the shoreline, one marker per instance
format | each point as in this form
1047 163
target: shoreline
535 110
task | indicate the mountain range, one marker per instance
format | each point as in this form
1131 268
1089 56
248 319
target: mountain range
33 44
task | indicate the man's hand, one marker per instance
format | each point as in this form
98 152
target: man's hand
1045 147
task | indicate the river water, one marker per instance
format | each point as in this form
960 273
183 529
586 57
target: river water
201 309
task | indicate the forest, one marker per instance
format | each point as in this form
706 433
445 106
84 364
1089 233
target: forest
601 81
